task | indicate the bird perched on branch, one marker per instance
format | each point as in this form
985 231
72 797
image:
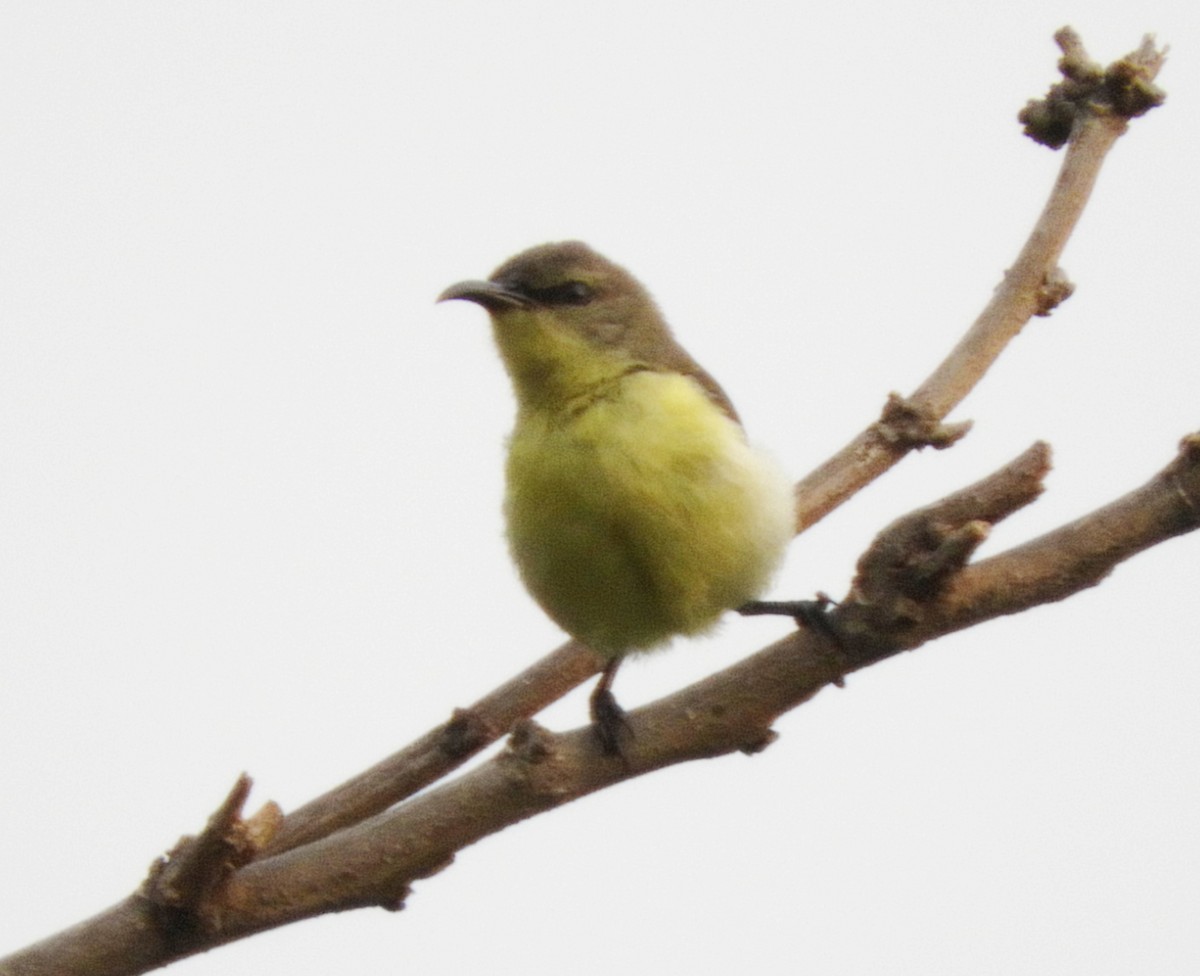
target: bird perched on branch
636 510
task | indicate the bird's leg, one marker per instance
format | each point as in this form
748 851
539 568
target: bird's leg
608 718
810 614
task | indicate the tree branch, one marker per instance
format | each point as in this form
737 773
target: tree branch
441 750
911 588
1034 285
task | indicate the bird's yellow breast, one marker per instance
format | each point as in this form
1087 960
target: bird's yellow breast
641 512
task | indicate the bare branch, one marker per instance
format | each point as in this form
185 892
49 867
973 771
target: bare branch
182 882
1032 286
441 750
1081 554
897 604
912 587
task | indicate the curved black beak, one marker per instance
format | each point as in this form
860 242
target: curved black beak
493 297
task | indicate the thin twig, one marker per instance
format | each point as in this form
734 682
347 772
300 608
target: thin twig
439 751
1032 286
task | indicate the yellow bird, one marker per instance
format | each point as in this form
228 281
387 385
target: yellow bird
636 510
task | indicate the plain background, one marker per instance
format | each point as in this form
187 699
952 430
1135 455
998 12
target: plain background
250 473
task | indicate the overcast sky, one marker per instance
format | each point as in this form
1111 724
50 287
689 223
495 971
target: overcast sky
250 474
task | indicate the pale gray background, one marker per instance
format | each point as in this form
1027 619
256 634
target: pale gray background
250 474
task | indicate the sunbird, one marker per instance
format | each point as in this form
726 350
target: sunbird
635 508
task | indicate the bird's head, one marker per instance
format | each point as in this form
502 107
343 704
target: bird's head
564 316
567 319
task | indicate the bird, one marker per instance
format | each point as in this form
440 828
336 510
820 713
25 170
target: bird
635 508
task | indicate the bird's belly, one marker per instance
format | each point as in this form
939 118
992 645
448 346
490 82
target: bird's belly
630 527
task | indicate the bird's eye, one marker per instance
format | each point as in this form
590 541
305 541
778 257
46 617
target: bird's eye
568 293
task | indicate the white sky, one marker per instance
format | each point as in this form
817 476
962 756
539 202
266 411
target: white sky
250 476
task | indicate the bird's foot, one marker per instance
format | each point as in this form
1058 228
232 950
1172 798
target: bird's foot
810 614
609 721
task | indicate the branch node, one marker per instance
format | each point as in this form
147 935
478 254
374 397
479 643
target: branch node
1075 64
394 892
465 733
263 825
1129 83
910 562
1055 289
535 761
396 902
1124 90
1186 462
905 424
532 743
769 737
905 612
1189 448
184 883
952 553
